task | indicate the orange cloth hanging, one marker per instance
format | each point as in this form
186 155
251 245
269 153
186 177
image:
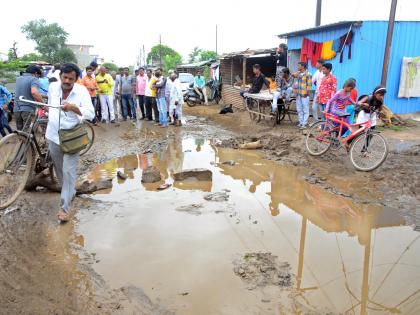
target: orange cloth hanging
327 52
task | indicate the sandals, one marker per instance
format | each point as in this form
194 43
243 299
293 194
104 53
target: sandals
63 217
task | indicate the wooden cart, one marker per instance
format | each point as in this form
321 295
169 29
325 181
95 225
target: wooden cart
259 107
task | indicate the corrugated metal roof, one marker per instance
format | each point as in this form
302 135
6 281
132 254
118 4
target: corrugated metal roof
327 27
249 53
196 64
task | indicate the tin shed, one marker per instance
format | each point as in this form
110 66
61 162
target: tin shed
367 54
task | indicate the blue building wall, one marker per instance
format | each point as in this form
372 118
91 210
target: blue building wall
367 54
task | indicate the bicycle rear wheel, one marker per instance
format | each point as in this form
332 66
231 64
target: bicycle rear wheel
368 151
16 165
91 135
319 138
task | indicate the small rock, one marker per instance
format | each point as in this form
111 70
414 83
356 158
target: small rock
200 174
265 301
184 293
217 196
255 222
151 175
282 153
230 162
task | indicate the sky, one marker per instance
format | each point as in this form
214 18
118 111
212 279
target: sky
118 29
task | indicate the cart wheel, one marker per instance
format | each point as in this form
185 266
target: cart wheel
252 105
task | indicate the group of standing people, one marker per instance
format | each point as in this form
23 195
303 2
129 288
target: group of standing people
158 97
326 96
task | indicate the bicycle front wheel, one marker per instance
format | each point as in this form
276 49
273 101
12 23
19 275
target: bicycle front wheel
319 138
368 151
16 165
91 135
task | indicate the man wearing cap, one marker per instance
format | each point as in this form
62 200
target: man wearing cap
27 85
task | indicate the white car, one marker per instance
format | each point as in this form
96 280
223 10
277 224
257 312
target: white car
186 79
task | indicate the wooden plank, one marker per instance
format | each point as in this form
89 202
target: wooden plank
243 71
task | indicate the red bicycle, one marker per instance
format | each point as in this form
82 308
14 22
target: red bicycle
368 149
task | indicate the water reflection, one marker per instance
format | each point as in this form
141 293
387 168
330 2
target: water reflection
348 258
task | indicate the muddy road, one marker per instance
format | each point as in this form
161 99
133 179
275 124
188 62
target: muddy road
271 231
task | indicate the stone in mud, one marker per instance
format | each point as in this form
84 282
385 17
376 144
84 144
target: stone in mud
121 175
87 187
151 175
217 196
262 269
200 174
231 163
282 153
191 209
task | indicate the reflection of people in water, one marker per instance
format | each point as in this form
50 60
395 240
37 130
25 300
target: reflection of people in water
129 163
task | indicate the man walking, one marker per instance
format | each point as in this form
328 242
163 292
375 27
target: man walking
304 81
27 86
5 98
127 86
200 86
316 80
105 84
141 81
90 83
76 104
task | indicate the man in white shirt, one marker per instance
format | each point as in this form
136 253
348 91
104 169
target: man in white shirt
55 73
76 105
176 100
316 80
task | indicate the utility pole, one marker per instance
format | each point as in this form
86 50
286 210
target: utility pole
216 39
318 12
144 56
388 42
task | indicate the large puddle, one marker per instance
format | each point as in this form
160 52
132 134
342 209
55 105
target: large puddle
345 258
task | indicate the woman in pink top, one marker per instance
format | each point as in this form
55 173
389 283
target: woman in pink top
140 90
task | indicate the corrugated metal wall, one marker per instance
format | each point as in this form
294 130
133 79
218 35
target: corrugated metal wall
367 54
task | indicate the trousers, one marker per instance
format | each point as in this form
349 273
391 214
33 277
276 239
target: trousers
65 166
302 107
107 105
163 114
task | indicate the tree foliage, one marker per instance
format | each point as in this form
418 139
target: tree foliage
170 62
199 54
50 40
154 55
65 55
110 66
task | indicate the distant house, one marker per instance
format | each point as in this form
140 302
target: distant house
82 52
194 67
362 58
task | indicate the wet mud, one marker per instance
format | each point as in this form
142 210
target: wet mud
273 232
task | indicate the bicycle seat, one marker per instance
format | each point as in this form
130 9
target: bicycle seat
343 115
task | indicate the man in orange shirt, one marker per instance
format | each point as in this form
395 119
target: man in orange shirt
90 83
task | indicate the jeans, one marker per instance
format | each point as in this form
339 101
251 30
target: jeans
107 106
65 166
94 100
315 106
141 99
4 123
23 120
350 110
302 106
126 102
163 114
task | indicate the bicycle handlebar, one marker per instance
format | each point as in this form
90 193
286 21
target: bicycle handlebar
22 99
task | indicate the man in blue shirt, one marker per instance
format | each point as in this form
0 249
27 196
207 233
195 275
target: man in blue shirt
27 86
5 98
200 86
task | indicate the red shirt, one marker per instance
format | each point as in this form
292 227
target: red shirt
353 96
327 89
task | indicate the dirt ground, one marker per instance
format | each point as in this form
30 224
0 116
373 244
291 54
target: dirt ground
45 272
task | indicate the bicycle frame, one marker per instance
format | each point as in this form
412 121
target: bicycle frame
341 121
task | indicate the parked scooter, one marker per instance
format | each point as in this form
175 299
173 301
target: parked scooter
192 98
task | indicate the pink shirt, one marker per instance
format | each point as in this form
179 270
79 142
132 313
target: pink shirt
141 84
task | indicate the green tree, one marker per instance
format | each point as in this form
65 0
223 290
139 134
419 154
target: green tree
50 39
170 62
31 57
153 57
65 55
206 55
110 66
194 56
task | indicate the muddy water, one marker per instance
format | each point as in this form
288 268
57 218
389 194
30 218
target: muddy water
177 246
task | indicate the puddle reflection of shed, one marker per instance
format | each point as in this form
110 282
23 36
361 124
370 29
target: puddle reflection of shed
236 71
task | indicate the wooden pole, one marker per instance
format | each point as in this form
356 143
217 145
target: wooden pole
243 71
388 42
318 12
